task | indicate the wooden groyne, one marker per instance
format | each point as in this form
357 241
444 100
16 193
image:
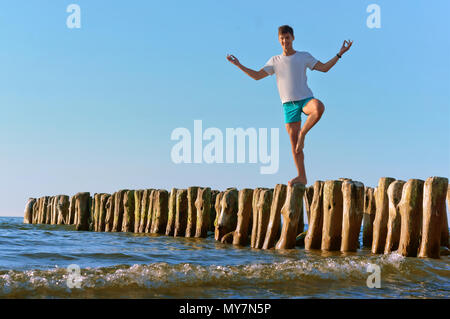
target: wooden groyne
406 217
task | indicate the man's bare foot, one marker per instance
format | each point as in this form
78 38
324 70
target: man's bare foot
300 143
297 180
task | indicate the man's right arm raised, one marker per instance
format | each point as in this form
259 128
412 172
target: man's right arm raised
256 75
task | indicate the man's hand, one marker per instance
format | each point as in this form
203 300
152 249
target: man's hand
345 48
233 59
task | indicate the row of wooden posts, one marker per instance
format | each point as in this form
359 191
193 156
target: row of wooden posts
407 217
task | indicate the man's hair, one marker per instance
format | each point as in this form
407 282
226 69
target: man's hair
285 29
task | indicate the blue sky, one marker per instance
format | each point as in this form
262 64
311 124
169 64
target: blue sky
92 109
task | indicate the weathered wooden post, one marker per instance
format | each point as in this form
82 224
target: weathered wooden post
28 216
137 209
55 216
254 218
301 223
47 210
72 210
99 211
228 215
160 208
43 209
313 239
291 214
151 210
83 210
35 212
434 193
128 211
37 208
263 207
240 236
394 193
273 227
203 209
91 214
411 217
217 208
102 212
444 230
94 203
96 200
144 209
110 203
40 210
213 213
353 211
58 209
332 215
48 214
170 229
369 216
192 212
181 213
62 207
118 210
307 198
54 211
381 216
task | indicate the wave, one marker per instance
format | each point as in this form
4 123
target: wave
171 280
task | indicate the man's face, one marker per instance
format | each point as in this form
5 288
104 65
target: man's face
286 40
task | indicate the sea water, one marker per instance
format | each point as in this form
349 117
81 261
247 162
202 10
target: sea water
34 261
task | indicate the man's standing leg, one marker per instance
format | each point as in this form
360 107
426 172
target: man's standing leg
314 109
293 130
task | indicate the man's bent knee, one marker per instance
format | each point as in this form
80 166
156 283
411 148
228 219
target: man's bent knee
320 108
314 106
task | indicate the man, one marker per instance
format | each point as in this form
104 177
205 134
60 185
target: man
296 96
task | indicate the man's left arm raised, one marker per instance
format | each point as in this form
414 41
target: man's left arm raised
325 67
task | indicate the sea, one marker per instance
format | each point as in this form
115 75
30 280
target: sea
56 261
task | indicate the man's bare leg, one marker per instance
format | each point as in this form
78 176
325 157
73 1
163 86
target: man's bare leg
314 109
293 131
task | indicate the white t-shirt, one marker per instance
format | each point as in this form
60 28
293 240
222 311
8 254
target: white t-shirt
291 74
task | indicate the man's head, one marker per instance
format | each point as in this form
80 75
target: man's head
286 36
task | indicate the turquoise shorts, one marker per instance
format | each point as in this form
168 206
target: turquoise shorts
293 110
